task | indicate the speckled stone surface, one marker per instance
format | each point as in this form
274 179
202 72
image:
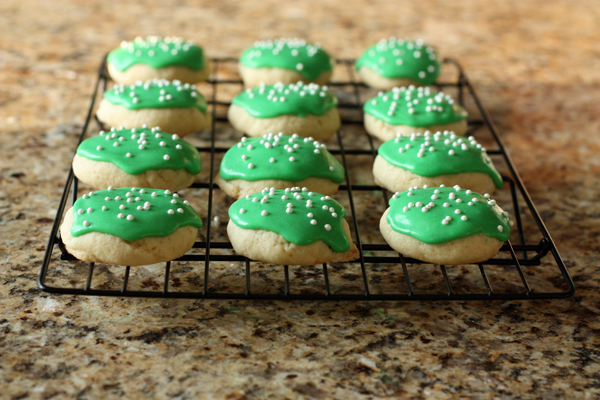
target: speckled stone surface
536 65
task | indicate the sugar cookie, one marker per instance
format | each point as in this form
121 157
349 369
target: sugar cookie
154 57
139 157
130 226
435 159
173 106
285 60
290 226
397 62
281 162
307 110
413 110
445 225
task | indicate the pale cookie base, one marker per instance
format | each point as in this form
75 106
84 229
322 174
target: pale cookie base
239 188
319 127
101 175
110 249
253 77
142 72
262 245
182 121
469 250
396 179
384 131
372 79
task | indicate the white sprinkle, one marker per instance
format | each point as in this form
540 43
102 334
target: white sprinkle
264 213
104 208
313 221
171 212
250 165
446 204
242 210
86 223
130 217
500 228
180 210
154 194
121 215
292 159
464 218
166 157
405 209
327 227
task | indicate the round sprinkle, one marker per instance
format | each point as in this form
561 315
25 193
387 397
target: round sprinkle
180 210
250 165
264 213
500 228
327 227
130 217
121 215
171 212
86 223
313 221
242 210
166 157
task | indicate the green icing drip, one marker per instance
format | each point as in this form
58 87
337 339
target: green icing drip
397 58
439 154
293 54
132 213
139 150
300 216
421 213
279 99
414 107
157 53
290 158
156 93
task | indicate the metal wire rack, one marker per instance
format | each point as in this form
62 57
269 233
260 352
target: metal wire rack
527 267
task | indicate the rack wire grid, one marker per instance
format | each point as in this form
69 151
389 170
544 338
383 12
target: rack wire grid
528 266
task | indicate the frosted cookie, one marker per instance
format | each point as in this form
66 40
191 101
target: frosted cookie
445 225
137 157
154 57
397 62
411 110
175 107
307 110
434 160
285 60
290 226
281 162
130 226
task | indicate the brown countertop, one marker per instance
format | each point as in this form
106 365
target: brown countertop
536 67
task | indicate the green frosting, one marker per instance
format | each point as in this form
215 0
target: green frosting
439 154
397 58
439 215
300 216
156 93
132 213
414 107
290 158
157 52
279 99
139 150
293 54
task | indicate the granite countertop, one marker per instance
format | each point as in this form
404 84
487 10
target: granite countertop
535 65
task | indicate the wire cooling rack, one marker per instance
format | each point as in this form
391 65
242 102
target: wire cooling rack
528 266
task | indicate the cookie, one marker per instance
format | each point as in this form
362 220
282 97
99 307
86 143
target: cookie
445 225
397 62
175 107
281 162
411 110
290 226
139 157
435 159
285 60
154 57
130 226
307 110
